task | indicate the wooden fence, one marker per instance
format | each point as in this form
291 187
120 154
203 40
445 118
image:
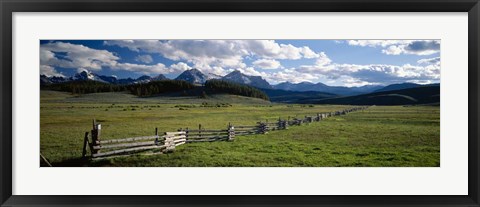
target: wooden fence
169 140
103 148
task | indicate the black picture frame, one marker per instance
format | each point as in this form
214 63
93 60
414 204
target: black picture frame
7 7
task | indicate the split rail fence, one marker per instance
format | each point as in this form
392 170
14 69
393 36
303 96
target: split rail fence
167 142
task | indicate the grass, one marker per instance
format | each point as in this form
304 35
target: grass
380 136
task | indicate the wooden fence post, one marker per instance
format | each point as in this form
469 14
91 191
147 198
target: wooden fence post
96 131
231 132
200 130
85 144
262 128
169 143
280 124
156 134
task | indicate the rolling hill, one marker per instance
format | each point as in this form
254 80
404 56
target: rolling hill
411 96
284 96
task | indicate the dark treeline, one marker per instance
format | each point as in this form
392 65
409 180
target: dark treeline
141 89
157 87
235 88
84 86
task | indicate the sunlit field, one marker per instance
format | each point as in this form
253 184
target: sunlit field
383 136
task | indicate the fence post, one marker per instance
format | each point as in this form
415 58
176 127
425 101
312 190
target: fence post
97 128
200 131
156 134
169 143
280 124
85 143
262 128
231 132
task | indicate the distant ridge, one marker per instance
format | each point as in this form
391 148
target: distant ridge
255 81
320 87
410 96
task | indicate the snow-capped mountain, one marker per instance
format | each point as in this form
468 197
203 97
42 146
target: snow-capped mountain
88 75
193 76
52 79
238 77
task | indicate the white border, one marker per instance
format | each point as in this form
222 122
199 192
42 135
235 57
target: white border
449 179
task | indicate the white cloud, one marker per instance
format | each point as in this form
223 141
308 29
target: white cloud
79 57
355 82
221 56
216 53
180 66
67 55
266 64
357 75
159 68
144 59
397 47
49 71
251 71
429 61
393 50
291 75
375 43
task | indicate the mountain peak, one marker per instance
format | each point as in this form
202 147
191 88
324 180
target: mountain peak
238 77
193 75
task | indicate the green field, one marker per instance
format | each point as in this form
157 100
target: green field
381 136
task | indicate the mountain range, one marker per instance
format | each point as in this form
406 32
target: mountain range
195 76
340 90
87 75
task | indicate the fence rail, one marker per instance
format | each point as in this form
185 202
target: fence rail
167 142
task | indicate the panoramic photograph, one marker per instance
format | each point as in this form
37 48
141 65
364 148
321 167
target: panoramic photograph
240 103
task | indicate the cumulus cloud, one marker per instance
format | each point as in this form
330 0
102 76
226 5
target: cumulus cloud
144 58
180 66
216 53
158 68
375 43
429 61
374 73
49 71
80 58
266 64
222 56
291 75
397 47
67 55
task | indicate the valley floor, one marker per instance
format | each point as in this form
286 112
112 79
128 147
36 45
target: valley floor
380 136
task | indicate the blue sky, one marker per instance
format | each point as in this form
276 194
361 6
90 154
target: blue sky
333 62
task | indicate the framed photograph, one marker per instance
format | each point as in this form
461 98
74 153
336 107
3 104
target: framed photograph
200 103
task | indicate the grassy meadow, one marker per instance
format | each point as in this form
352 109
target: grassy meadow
383 136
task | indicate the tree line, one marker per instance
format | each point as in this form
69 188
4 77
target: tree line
84 86
235 88
155 87
140 89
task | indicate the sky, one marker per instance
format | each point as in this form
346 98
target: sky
333 62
